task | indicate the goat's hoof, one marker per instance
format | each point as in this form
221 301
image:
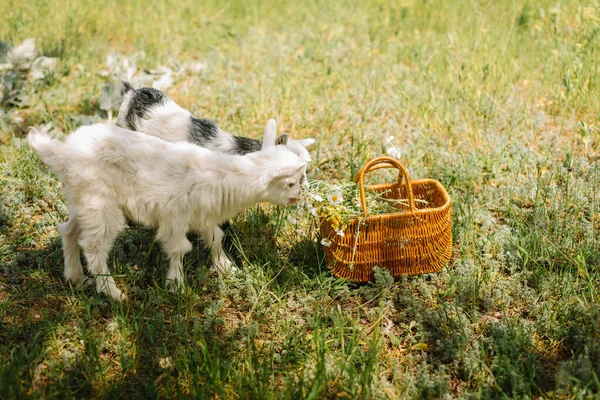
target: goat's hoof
174 286
78 282
223 266
87 282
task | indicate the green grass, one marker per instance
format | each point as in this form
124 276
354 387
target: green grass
498 100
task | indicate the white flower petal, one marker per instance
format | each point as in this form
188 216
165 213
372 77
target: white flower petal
335 198
316 197
393 151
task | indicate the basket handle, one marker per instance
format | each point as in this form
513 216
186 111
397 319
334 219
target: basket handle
378 163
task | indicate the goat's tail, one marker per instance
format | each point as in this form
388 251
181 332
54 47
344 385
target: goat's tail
48 149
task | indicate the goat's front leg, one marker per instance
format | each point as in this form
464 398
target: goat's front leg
176 245
213 238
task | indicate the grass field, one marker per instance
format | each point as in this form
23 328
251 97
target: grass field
498 100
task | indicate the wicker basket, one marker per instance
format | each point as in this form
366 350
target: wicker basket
415 240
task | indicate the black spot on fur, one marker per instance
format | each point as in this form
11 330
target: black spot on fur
141 102
245 145
202 130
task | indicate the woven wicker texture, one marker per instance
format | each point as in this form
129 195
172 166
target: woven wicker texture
415 240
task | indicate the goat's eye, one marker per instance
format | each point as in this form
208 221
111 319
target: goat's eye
291 185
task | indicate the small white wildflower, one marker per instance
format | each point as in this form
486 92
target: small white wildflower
292 220
391 149
394 152
388 327
316 197
300 232
165 362
335 198
326 242
340 233
313 211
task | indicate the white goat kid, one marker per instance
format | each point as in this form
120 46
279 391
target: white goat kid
110 174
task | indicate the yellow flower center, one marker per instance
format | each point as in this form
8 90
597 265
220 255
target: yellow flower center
334 198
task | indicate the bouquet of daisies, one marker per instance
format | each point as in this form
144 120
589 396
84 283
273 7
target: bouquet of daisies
339 203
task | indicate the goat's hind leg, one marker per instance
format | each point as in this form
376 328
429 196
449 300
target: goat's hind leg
176 245
98 230
73 271
213 238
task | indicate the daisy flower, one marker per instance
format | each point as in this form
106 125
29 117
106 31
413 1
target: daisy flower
326 242
335 198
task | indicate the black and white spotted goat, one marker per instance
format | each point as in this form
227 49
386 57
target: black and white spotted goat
150 111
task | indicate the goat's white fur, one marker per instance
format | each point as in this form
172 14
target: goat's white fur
110 174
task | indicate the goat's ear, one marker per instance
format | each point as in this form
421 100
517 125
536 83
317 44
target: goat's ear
270 133
289 171
125 87
306 142
282 139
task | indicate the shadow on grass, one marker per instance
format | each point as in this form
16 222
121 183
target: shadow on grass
55 338
33 304
59 340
